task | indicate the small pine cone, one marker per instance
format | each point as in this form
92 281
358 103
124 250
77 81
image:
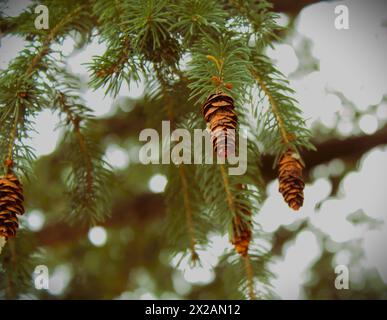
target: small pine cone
291 184
11 205
218 111
241 235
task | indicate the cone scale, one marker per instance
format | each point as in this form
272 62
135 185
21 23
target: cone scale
11 205
241 235
291 184
219 113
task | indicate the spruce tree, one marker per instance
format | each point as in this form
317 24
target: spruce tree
203 61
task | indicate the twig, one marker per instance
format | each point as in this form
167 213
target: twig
75 120
226 184
44 50
188 212
231 204
250 278
182 174
9 158
274 107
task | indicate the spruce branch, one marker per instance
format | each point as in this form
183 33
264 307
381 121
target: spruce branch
23 92
110 17
219 64
282 125
260 19
238 216
17 262
90 179
54 32
9 157
250 278
229 194
120 63
274 108
247 276
146 36
188 205
10 289
196 18
75 121
189 213
149 23
213 71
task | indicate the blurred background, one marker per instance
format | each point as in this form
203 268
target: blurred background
340 81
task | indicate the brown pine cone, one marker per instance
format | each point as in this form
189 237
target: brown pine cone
11 204
218 111
241 233
291 184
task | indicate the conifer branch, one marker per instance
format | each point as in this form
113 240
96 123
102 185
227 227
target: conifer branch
45 48
141 37
9 158
281 126
181 169
250 278
119 62
219 64
219 77
18 260
274 107
188 211
226 184
24 95
90 179
11 290
75 120
233 207
261 20
118 65
284 125
196 19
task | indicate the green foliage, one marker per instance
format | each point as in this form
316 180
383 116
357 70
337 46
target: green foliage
223 43
231 67
183 200
233 271
17 262
90 178
115 67
119 63
278 109
257 17
29 85
197 18
26 85
149 23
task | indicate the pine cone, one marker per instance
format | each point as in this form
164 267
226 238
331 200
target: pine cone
241 234
11 204
291 184
218 111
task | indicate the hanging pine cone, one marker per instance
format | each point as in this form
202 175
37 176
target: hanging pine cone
11 204
291 184
241 234
218 111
